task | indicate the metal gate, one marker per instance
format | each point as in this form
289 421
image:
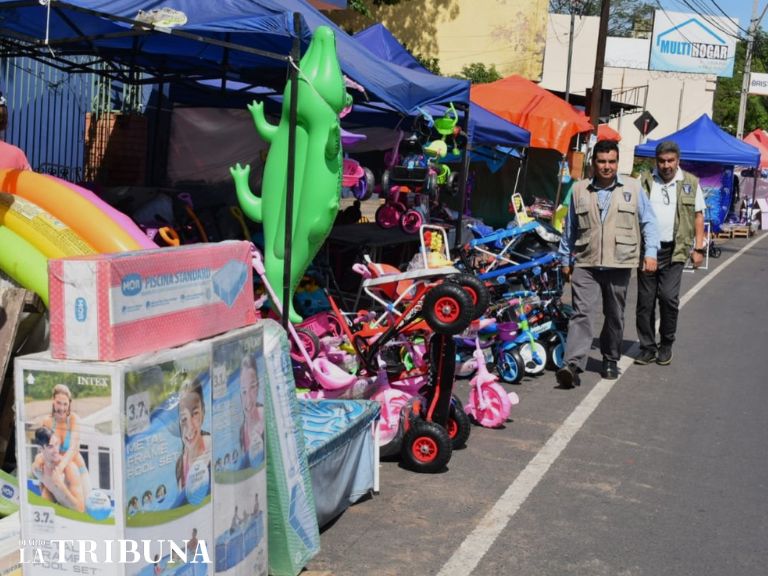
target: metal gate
61 120
46 114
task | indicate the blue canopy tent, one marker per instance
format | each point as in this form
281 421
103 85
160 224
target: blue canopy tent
704 141
703 144
190 40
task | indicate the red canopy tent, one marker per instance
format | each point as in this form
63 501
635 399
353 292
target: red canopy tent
759 139
551 121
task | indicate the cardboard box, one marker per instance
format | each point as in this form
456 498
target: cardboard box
139 434
294 535
239 453
113 306
10 540
171 447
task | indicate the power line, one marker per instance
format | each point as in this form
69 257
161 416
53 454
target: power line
729 18
708 18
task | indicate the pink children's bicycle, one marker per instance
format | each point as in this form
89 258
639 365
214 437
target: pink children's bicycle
489 404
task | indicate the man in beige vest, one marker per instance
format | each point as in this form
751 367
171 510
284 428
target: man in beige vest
678 203
608 217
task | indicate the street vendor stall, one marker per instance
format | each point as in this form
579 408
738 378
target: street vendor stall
710 153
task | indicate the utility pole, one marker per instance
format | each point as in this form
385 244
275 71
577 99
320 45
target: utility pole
570 56
747 69
597 85
575 5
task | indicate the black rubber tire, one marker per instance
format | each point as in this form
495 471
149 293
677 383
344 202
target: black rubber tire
370 183
311 344
426 447
448 309
459 427
385 184
476 289
551 342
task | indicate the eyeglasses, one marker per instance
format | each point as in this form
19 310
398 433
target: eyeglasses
665 195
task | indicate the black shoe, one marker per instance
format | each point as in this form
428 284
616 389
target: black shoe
665 355
646 356
610 370
568 376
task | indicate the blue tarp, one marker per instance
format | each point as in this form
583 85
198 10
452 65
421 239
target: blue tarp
257 24
485 127
704 141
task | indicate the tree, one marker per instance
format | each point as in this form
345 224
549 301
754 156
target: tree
362 7
728 93
431 64
477 73
628 17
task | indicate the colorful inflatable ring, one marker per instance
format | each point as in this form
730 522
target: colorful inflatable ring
169 236
90 223
24 263
115 215
50 236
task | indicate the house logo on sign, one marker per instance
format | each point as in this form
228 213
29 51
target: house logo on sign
685 42
678 41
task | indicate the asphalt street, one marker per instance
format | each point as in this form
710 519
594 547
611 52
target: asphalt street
661 472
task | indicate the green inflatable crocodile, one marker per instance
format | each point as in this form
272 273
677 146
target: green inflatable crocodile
317 182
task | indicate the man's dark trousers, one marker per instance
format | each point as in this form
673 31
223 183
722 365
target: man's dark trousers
664 286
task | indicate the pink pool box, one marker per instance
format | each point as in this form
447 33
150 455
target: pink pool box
113 306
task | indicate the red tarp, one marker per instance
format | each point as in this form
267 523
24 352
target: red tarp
759 139
551 121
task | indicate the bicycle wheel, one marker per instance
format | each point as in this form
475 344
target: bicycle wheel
387 216
510 366
534 356
555 350
496 405
458 426
426 447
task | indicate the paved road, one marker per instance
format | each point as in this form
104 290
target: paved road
663 472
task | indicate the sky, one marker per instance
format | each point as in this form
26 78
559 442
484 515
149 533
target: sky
741 9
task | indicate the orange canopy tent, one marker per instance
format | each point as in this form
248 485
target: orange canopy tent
551 121
605 132
759 139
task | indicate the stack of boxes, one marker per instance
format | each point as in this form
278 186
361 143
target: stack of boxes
125 441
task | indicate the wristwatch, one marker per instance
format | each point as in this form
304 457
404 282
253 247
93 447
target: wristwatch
701 251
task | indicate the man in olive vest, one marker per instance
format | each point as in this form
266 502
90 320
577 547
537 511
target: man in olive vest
678 203
608 217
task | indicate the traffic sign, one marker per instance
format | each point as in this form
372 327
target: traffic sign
645 123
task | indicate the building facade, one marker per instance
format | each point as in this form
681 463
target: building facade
674 99
507 34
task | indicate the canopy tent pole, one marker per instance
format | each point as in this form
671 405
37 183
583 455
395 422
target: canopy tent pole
463 178
754 192
559 187
293 78
524 166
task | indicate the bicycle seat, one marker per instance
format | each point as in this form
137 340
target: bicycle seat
352 173
393 290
